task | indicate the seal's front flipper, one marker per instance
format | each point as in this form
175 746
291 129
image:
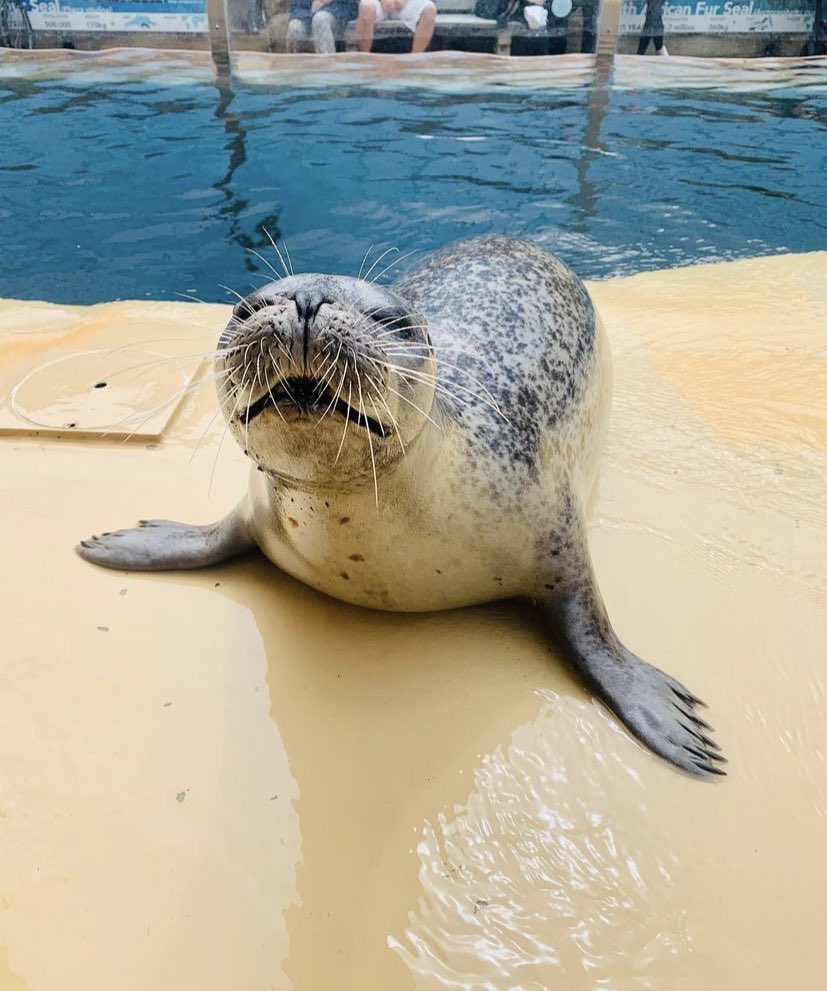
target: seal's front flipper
659 710
162 545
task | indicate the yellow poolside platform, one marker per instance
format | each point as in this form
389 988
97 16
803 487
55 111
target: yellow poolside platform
223 780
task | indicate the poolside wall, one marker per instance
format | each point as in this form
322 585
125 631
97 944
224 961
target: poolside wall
750 29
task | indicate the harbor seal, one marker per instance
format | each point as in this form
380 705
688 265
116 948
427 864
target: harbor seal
428 446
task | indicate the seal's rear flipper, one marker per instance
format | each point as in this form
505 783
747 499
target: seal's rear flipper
659 710
162 545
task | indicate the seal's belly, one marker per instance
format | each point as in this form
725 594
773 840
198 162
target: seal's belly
398 558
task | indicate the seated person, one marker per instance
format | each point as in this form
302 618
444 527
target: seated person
417 15
318 21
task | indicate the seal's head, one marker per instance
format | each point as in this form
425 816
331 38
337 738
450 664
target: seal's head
325 378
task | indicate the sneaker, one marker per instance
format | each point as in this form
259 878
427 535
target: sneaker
663 52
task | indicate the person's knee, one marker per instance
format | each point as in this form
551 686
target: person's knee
428 15
367 11
295 32
321 20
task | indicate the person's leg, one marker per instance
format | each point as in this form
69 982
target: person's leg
322 27
657 26
364 23
647 31
424 28
296 38
587 42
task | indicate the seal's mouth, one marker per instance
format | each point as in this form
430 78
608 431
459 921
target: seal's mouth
309 395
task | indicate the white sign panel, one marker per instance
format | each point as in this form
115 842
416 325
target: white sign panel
131 16
724 17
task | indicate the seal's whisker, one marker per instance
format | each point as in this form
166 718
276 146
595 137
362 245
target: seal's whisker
190 297
321 371
387 251
289 259
213 418
238 294
461 371
400 348
364 416
327 355
145 367
379 420
258 364
326 378
275 365
137 345
347 421
441 387
281 259
410 402
394 330
224 432
280 345
335 398
359 276
262 258
396 261
146 415
247 411
377 393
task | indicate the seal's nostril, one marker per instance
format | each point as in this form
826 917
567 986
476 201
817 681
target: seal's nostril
243 310
252 304
308 305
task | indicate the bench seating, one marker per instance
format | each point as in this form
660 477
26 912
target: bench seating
456 20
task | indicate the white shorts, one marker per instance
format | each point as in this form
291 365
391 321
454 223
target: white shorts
409 15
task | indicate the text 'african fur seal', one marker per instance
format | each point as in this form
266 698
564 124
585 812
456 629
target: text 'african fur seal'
429 446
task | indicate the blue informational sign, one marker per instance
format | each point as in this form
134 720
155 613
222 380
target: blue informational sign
724 16
180 16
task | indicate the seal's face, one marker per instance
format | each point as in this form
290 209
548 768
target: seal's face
324 378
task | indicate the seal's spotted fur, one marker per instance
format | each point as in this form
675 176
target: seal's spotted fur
462 415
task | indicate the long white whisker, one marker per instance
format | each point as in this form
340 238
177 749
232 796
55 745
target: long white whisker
207 429
224 433
281 259
359 276
388 409
396 261
426 379
335 398
405 399
387 251
289 259
262 258
192 299
364 415
275 365
347 421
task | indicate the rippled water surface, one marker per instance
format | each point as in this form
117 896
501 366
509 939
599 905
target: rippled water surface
141 189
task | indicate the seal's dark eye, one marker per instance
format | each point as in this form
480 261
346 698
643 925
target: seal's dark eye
396 320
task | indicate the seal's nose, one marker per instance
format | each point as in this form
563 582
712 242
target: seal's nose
308 304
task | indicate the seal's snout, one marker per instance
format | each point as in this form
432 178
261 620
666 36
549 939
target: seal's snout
308 303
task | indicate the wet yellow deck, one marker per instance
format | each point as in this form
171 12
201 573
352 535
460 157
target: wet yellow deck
225 780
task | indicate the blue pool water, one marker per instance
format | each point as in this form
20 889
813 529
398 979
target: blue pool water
140 190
